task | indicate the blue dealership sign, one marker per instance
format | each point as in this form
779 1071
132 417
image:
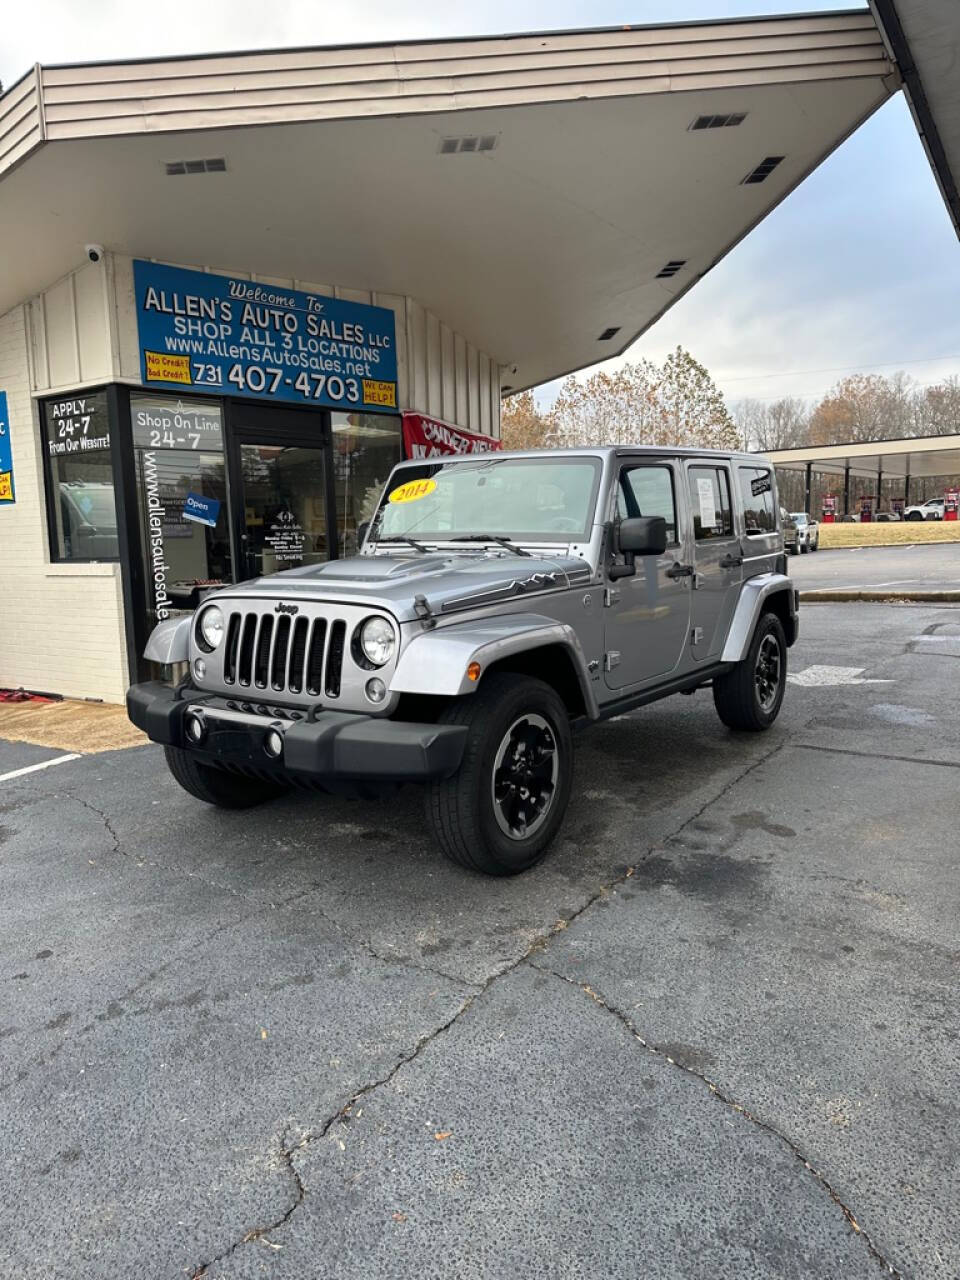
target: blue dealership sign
234 337
7 492
203 510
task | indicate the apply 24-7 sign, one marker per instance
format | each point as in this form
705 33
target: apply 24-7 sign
235 337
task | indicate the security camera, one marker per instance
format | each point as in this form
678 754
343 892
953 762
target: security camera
93 251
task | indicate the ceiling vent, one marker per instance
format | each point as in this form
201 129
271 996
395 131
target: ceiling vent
729 121
670 268
472 143
608 334
177 168
762 171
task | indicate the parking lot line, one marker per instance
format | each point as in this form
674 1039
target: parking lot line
32 768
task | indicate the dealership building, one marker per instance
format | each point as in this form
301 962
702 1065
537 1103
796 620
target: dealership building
236 289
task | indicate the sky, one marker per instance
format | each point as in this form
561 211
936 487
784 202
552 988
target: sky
857 271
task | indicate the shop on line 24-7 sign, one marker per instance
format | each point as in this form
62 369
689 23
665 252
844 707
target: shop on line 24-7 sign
235 337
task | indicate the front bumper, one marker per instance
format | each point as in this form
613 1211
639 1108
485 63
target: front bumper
332 745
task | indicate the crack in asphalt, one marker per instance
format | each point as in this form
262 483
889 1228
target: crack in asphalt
107 824
723 1097
287 1152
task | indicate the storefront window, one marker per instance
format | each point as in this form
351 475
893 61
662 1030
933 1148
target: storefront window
182 500
83 513
366 447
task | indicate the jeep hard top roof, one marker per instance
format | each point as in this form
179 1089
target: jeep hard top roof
595 451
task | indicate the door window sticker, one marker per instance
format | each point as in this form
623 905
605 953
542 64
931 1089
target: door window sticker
708 504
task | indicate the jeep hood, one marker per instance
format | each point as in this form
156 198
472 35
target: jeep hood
448 581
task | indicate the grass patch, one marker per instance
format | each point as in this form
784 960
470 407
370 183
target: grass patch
888 535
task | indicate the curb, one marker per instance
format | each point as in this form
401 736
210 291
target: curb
846 595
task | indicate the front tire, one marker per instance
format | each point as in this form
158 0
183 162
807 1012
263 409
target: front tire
500 811
749 697
216 786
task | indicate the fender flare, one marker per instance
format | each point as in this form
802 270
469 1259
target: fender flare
170 641
753 594
436 661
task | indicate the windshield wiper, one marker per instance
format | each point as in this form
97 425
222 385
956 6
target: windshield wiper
500 538
402 537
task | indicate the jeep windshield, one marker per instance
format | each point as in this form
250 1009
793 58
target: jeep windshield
522 499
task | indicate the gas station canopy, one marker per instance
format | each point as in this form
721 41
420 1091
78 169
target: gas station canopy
916 457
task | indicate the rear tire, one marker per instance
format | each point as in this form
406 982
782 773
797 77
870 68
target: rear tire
216 786
815 546
749 697
500 811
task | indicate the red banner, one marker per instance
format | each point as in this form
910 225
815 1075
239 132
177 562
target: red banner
425 437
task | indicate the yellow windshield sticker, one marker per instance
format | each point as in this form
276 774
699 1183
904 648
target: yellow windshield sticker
413 491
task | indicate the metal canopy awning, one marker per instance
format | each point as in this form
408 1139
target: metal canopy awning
549 195
924 38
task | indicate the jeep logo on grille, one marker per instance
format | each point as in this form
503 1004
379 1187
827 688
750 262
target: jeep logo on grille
287 608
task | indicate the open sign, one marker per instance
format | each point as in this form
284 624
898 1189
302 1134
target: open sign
202 510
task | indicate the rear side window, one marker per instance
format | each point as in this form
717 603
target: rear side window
756 492
710 502
648 491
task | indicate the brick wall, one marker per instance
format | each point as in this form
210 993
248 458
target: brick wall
61 625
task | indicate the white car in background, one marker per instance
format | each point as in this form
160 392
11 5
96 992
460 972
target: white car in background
931 510
808 531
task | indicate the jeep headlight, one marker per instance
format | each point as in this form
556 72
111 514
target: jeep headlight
377 641
210 628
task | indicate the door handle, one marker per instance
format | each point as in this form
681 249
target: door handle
679 570
731 562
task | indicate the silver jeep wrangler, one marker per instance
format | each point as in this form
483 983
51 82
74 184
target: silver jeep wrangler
498 601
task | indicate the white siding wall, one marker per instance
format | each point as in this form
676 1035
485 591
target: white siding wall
61 625
85 331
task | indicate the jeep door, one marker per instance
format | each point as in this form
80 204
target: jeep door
647 616
717 558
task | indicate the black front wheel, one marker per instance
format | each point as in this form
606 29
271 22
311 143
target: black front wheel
749 696
499 813
217 786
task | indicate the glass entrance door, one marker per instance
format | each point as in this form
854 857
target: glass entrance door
284 508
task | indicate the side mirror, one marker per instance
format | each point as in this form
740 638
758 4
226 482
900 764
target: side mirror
638 536
363 528
643 535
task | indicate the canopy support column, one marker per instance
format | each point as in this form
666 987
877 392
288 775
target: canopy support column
806 488
906 491
846 489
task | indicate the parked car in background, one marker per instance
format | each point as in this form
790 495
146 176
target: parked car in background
930 510
791 534
808 531
886 517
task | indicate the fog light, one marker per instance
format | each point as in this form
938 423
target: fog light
199 668
376 690
273 743
194 727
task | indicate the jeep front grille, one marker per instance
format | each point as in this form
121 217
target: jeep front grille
299 655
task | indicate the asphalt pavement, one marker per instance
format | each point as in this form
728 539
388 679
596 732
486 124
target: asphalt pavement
714 1035
933 566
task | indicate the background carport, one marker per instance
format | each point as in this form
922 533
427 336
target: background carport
876 459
